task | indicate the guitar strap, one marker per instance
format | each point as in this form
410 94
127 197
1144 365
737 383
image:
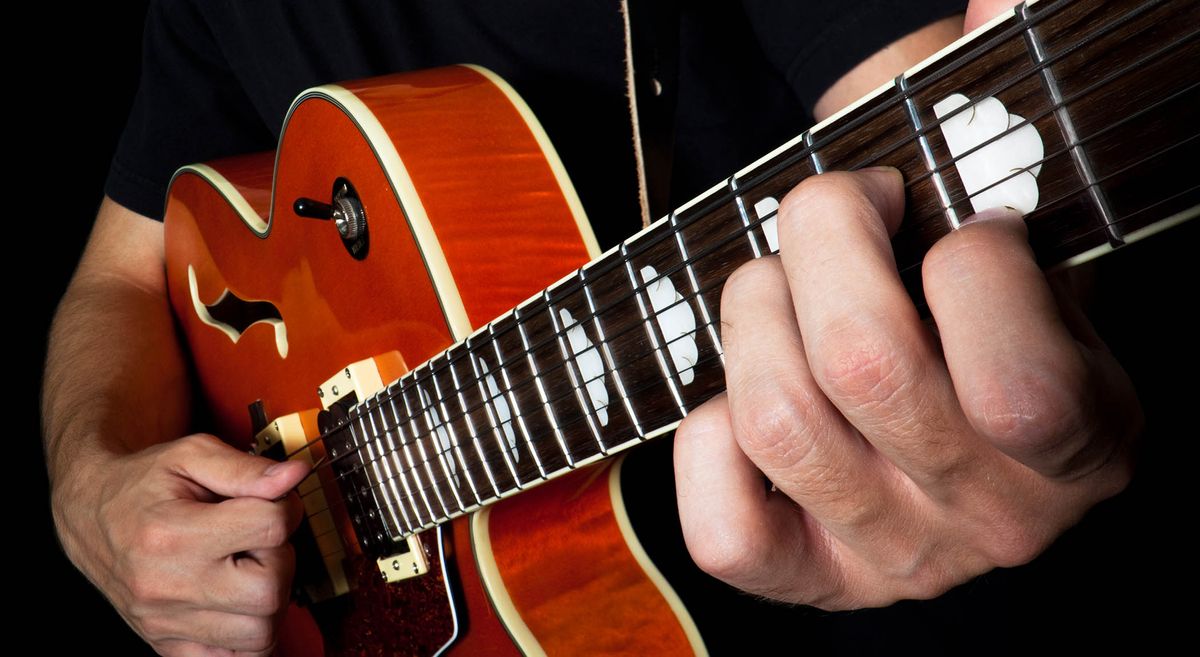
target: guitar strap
651 75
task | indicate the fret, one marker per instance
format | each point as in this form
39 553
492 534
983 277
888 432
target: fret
499 415
541 387
607 299
1082 162
710 326
764 183
519 418
440 441
385 461
399 448
443 386
918 130
414 465
394 438
813 157
414 411
745 216
1123 74
461 388
610 363
663 278
652 332
589 390
997 143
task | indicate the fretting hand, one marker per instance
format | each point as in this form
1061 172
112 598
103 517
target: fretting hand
903 461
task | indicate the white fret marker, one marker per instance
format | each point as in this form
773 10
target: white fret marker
500 404
765 207
591 368
1019 149
439 431
676 321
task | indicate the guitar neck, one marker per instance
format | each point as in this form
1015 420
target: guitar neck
1079 113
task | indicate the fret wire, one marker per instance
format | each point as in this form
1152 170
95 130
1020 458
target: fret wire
413 467
813 157
1083 163
1069 194
435 441
462 403
388 476
709 358
608 358
702 361
512 398
1009 83
489 405
541 390
741 206
1066 151
651 242
416 435
573 374
367 443
652 333
952 66
401 469
437 389
939 185
695 284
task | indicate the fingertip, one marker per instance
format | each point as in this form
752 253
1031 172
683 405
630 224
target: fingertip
285 475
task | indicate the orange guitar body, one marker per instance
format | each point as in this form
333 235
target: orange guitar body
468 213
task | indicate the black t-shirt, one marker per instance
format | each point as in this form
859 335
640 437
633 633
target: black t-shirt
719 84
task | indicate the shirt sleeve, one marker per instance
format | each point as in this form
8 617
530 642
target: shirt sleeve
813 44
188 108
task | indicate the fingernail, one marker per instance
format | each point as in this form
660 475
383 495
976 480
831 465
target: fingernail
1003 213
274 469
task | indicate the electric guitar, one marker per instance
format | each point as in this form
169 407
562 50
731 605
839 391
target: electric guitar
408 295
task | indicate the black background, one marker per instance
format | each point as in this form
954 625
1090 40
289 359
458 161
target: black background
1112 584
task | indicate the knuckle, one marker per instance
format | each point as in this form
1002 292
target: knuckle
1029 413
262 598
776 423
856 363
833 195
1012 544
155 538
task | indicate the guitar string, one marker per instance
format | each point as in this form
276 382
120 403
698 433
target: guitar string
927 128
549 341
982 48
433 484
537 305
635 325
979 50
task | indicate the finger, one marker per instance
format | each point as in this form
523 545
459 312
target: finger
257 583
211 632
781 419
1025 382
982 11
228 472
735 529
864 340
239 524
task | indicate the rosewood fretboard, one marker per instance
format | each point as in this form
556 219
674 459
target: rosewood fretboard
620 350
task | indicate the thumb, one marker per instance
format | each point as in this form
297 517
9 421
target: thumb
229 472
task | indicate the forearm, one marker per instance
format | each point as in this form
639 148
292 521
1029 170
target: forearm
116 380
